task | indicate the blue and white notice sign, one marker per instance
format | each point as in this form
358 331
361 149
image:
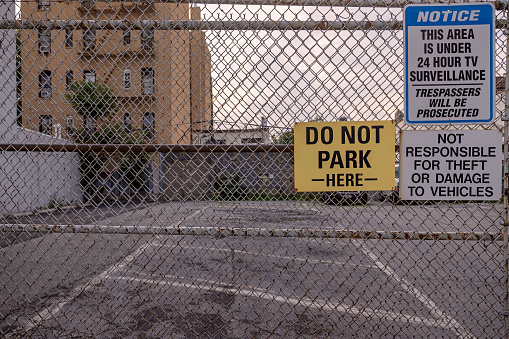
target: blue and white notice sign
449 64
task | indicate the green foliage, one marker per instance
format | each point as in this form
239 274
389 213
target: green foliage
130 166
95 100
92 99
229 187
133 168
110 134
286 138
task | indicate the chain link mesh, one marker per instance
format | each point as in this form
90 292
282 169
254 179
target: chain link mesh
147 189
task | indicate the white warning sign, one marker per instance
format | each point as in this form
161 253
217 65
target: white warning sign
451 165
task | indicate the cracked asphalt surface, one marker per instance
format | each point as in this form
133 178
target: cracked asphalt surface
131 286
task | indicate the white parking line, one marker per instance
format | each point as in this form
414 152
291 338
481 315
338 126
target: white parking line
312 261
444 320
250 291
49 312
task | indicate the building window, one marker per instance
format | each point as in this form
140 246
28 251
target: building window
46 124
149 124
43 4
147 81
88 40
127 37
45 84
68 38
69 124
44 41
69 80
90 125
127 121
251 140
57 131
147 39
88 3
88 76
127 79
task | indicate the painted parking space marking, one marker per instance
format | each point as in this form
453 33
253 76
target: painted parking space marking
444 320
251 291
52 310
312 261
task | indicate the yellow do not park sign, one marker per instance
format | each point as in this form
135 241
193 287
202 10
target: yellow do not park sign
344 156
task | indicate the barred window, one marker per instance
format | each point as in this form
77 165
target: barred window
90 124
68 38
149 124
88 40
147 39
44 41
69 123
127 120
43 4
88 76
45 84
127 79
46 124
88 3
69 80
127 37
147 81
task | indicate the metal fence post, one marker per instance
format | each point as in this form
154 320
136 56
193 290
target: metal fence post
506 202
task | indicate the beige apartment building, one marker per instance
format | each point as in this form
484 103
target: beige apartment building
161 78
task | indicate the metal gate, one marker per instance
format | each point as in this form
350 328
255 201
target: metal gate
147 185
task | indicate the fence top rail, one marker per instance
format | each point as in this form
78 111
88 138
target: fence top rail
255 232
499 4
199 25
137 148
163 25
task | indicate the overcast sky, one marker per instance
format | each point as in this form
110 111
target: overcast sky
299 75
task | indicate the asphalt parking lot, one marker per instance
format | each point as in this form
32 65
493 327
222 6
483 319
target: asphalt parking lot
103 285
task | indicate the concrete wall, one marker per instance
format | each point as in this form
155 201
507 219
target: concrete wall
268 173
188 176
192 176
32 180
29 180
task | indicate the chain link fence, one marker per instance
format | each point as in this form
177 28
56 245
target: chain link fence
147 179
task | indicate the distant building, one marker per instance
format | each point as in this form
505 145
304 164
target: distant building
247 136
162 78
